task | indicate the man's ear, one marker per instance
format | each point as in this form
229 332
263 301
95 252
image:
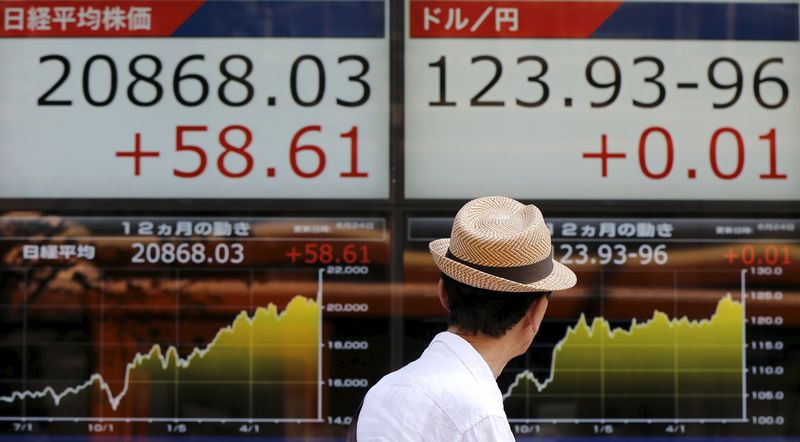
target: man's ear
535 313
443 295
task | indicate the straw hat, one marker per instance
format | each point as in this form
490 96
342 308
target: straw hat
500 244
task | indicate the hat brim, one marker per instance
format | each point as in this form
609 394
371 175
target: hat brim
560 278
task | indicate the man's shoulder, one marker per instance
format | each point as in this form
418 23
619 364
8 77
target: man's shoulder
435 386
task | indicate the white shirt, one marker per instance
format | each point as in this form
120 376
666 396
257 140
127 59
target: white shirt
449 394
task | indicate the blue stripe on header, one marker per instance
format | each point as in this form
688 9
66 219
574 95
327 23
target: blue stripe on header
702 21
286 18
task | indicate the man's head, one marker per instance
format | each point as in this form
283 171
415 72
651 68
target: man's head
498 268
481 311
500 244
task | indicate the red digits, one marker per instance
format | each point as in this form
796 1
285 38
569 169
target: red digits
643 151
731 255
293 254
294 150
604 155
364 255
180 146
137 153
773 160
786 259
739 153
223 141
748 254
354 172
326 254
771 255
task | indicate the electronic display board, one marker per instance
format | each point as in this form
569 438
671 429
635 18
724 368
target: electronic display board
329 142
675 100
261 326
676 327
194 99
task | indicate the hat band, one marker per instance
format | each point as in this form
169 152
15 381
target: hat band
526 274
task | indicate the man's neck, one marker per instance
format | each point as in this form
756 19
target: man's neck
495 351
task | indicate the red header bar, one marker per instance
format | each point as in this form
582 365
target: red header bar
507 19
133 18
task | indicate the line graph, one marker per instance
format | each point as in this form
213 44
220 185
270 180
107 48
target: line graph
181 325
652 365
276 356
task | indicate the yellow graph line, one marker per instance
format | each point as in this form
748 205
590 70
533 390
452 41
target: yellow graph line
726 308
296 306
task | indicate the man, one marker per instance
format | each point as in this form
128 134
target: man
497 274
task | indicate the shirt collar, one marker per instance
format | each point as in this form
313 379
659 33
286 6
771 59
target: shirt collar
473 360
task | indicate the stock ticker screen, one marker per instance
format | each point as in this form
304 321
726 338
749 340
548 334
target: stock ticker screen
262 326
215 215
676 326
